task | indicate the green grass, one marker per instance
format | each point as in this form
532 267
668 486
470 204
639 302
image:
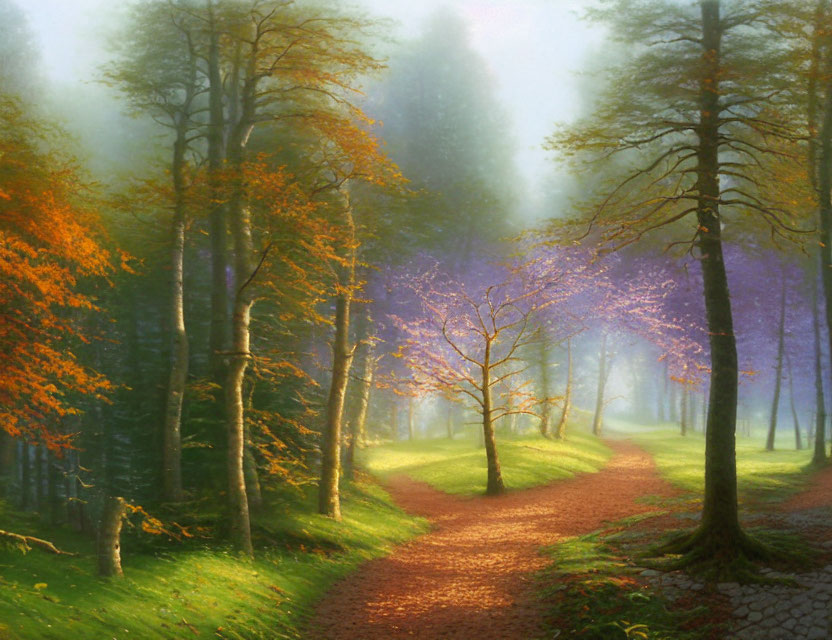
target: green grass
459 466
194 591
591 592
761 475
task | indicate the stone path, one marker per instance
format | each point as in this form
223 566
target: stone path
771 612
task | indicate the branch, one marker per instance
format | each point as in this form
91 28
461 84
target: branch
37 542
257 268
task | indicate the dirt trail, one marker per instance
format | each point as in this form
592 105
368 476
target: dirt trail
817 494
471 577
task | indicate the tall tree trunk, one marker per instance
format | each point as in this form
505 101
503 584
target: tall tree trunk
411 420
171 429
219 338
719 536
545 389
778 370
449 421
567 394
359 421
329 499
394 419
683 410
798 442
819 455
824 182
495 484
598 418
109 537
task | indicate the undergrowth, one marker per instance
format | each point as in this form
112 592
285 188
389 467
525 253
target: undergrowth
593 591
197 589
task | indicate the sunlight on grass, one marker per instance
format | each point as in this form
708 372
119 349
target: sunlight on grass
459 466
199 592
591 591
761 474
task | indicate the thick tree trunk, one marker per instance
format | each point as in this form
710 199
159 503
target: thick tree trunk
171 429
598 418
449 421
495 484
824 181
109 537
567 394
394 419
719 537
819 455
778 371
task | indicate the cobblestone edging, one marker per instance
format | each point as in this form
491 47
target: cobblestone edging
769 612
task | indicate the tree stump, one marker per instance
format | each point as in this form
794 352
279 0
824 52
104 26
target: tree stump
109 537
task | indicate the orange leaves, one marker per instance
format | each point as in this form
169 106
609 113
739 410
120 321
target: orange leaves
47 242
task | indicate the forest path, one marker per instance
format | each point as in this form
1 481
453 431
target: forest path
817 494
471 577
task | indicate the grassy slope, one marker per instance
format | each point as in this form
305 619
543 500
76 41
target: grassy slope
761 474
196 592
459 466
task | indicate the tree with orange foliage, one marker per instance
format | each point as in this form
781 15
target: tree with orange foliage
49 241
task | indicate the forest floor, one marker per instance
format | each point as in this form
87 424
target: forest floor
480 573
472 577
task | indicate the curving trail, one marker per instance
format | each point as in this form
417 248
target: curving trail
472 576
817 494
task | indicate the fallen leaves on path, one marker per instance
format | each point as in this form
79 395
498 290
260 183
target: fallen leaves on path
818 494
472 577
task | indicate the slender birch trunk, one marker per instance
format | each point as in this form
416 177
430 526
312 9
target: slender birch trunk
329 499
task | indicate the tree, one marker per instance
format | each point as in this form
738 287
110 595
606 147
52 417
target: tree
698 117
50 241
466 339
158 73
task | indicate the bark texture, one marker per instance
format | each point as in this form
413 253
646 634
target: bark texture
109 537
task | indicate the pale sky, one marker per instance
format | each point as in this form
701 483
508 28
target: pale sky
532 47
